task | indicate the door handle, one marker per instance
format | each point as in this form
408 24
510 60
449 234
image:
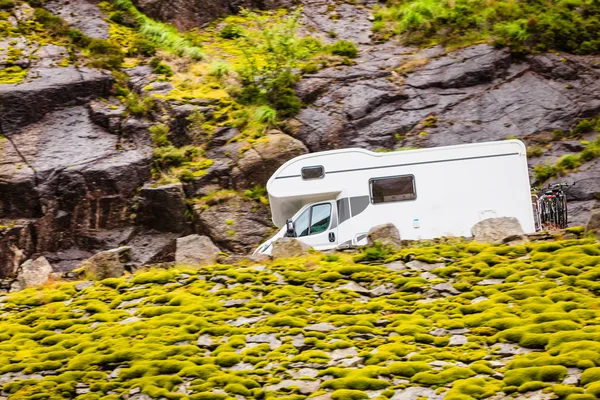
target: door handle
331 237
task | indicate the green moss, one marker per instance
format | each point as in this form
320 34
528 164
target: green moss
345 394
520 376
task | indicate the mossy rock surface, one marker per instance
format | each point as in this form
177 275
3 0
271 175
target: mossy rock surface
285 330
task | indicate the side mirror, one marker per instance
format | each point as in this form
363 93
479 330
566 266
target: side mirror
291 231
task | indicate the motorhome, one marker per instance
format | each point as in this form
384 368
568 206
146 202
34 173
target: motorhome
331 199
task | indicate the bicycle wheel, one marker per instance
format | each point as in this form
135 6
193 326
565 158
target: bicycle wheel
565 211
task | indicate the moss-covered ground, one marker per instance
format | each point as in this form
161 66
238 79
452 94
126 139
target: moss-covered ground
465 320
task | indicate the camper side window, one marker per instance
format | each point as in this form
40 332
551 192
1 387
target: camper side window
315 172
394 188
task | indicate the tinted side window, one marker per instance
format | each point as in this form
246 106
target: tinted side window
319 221
302 223
313 172
395 188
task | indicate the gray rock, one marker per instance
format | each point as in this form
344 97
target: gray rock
445 288
234 223
205 341
129 320
386 234
129 303
82 15
439 332
421 266
349 362
108 264
354 287
508 349
196 250
416 392
304 386
304 372
246 320
593 223
320 327
497 230
383 290
339 354
298 341
478 299
242 367
289 247
396 266
83 285
235 303
572 379
269 338
33 273
458 340
489 282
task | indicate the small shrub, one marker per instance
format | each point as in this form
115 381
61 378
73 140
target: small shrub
142 47
219 69
159 68
583 126
344 48
309 68
265 114
6 4
159 135
543 172
568 161
231 31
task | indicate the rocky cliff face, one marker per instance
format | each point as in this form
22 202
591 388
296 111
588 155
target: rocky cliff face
76 171
189 14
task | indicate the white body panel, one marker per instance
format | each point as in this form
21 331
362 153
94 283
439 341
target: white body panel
456 187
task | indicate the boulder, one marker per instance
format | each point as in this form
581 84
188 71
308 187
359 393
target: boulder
257 164
289 247
196 250
593 224
162 207
498 230
33 273
235 224
107 264
386 234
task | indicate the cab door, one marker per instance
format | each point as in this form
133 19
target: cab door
317 225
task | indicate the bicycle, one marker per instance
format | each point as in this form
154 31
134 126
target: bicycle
551 208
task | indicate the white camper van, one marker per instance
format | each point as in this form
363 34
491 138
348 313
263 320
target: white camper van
331 199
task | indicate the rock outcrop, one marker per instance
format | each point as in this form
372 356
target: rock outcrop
256 165
498 230
196 250
162 207
235 224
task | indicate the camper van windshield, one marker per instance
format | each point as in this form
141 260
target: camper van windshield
313 220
